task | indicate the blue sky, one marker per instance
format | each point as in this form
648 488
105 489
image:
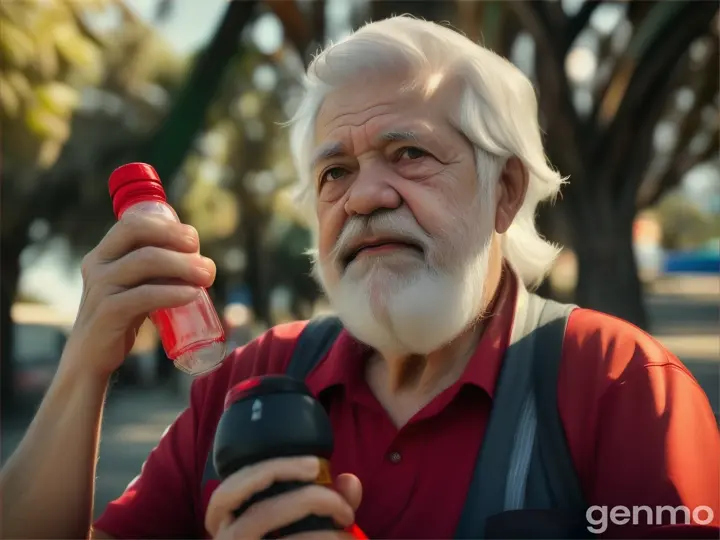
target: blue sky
191 24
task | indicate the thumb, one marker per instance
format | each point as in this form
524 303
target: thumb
349 486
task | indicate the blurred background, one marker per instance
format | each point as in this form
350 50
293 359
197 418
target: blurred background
628 95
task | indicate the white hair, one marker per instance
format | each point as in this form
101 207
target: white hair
497 113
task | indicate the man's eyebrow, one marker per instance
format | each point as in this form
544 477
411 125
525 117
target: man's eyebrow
327 151
336 149
393 136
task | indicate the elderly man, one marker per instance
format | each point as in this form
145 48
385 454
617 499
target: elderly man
422 165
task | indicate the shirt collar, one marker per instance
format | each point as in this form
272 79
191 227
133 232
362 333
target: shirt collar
345 363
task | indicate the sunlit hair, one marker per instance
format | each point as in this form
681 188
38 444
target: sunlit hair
497 112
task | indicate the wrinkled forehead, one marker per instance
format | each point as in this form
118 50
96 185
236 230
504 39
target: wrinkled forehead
385 109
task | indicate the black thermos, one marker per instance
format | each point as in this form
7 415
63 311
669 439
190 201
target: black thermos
269 417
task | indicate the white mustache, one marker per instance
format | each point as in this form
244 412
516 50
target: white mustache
398 224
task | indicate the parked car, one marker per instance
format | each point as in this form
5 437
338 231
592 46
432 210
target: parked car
141 366
39 336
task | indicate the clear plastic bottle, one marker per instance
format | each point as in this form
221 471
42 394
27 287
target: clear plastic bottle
192 335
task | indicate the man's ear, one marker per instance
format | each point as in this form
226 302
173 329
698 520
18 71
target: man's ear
511 193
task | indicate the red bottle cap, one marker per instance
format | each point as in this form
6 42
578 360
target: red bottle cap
264 385
133 183
356 532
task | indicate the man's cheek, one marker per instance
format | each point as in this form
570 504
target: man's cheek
328 233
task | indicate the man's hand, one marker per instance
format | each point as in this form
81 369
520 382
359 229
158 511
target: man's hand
144 263
277 512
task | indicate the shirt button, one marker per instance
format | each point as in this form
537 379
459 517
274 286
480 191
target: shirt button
395 457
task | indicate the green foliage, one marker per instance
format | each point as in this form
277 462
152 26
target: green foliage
56 154
46 56
245 152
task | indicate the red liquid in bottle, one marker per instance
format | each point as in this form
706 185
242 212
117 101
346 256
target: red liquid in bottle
184 331
192 335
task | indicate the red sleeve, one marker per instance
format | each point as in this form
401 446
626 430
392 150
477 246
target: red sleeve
642 433
159 502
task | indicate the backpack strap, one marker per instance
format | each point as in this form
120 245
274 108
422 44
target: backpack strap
313 344
507 444
554 504
554 461
499 481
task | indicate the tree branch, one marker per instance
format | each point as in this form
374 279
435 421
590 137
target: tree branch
625 185
705 92
319 23
85 29
552 15
509 33
295 24
470 18
677 171
489 18
554 90
171 142
643 17
430 10
577 23
681 160
648 87
637 11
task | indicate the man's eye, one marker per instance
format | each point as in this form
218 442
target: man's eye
411 152
334 173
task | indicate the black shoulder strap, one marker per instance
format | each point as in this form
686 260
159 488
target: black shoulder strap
524 416
313 344
561 477
498 480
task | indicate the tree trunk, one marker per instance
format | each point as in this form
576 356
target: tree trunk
431 10
607 271
545 289
169 146
219 291
256 271
10 260
548 223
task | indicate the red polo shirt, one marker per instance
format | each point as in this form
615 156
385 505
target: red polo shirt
640 430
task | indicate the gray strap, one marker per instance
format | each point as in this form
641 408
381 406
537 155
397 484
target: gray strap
521 456
562 484
313 344
498 479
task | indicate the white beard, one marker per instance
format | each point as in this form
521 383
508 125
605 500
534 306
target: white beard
402 303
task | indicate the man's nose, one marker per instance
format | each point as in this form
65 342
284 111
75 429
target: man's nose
370 191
